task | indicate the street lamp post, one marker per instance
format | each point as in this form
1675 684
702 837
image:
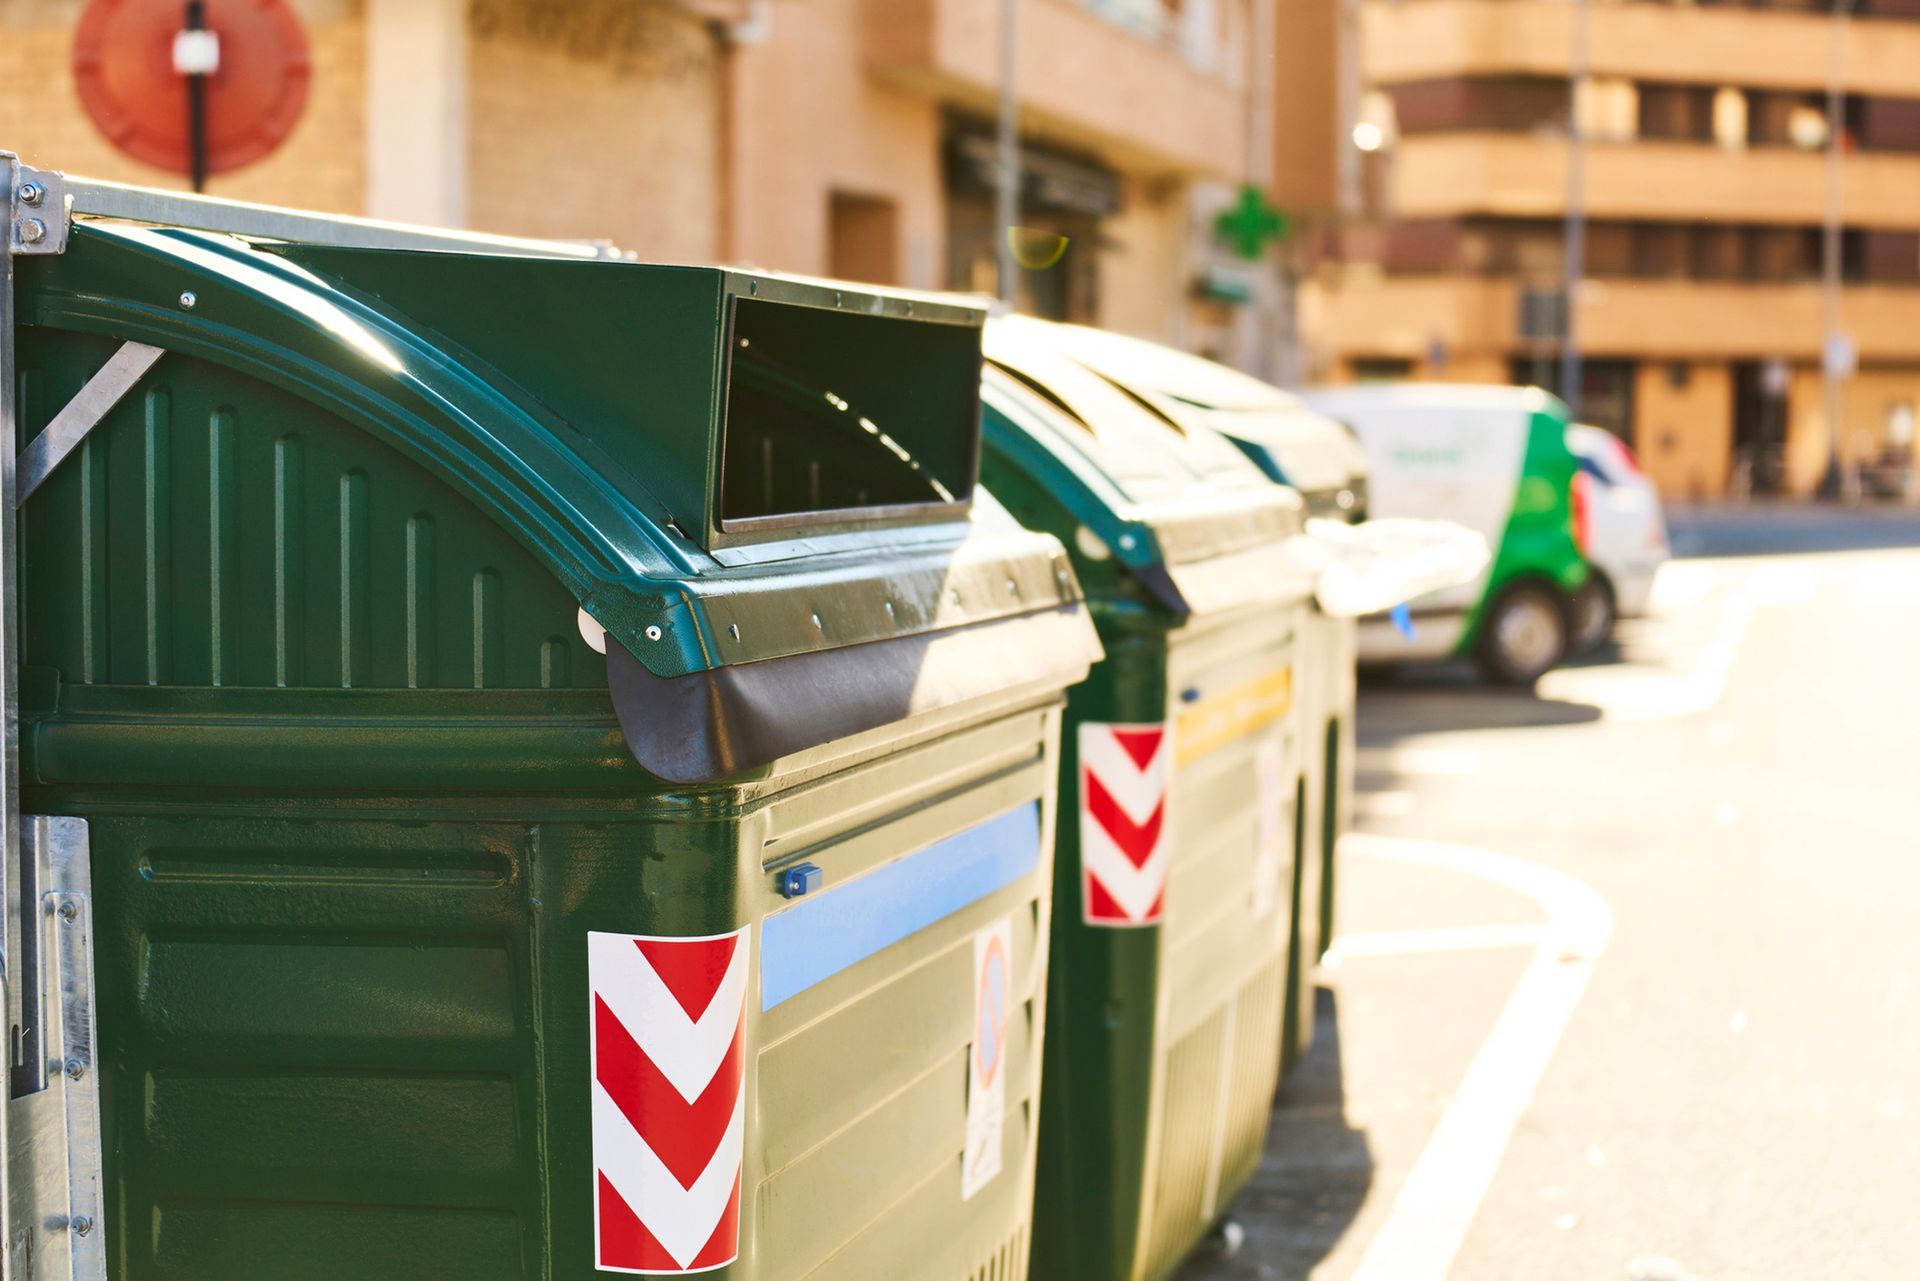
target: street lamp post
1835 350
1006 192
1575 250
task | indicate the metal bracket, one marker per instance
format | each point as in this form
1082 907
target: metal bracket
53 1116
40 212
81 415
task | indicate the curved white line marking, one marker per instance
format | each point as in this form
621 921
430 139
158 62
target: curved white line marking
1455 938
1437 1202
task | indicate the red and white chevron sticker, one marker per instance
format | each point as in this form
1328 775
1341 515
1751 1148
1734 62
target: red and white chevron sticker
1123 822
669 1100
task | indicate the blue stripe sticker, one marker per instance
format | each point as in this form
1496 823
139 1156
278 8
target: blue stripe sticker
817 938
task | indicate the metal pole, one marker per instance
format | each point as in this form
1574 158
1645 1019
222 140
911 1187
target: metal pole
1831 378
10 917
196 20
1006 202
1276 355
1576 228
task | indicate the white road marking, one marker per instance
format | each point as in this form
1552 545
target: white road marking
1469 938
1419 762
1436 1204
1787 582
1691 682
1386 804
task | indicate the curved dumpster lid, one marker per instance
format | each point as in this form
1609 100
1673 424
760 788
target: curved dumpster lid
1296 443
587 406
1177 505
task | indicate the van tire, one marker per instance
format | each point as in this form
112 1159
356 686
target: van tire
1524 633
1594 614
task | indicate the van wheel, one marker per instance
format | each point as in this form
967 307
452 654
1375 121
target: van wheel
1594 614
1524 634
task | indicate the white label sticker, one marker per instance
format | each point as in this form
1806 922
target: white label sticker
987 1061
1269 826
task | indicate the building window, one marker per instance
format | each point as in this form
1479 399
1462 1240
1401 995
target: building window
863 238
1381 369
1609 109
1807 126
1730 118
1065 198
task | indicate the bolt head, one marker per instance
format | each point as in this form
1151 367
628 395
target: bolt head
76 1069
32 231
187 299
69 911
654 633
82 1224
31 193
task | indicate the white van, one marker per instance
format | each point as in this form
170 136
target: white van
1494 459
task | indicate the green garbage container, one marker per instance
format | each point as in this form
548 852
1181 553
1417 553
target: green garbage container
1293 445
1182 762
565 756
1322 459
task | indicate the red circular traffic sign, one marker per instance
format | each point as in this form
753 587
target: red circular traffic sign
123 66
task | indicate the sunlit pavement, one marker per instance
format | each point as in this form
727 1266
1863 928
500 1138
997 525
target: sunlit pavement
1736 1093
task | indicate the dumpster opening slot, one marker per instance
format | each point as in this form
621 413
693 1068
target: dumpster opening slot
842 415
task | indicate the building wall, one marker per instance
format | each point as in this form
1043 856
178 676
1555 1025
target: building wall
1873 396
807 122
1867 404
1684 427
596 119
1808 446
1142 282
1084 79
320 166
1316 102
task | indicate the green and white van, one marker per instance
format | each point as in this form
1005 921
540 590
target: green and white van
1493 459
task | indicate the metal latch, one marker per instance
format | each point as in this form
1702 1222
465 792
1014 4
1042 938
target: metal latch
54 1171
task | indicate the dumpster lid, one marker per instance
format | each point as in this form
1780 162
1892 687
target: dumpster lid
1313 452
1180 508
585 405
1377 564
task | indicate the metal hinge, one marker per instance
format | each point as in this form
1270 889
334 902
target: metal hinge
53 1112
40 212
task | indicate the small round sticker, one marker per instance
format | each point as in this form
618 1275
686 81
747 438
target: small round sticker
990 1034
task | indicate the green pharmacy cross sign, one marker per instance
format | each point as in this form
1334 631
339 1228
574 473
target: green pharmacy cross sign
1250 224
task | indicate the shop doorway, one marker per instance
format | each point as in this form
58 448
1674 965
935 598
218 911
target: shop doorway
1760 426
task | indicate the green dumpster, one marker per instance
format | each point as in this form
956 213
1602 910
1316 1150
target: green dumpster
1182 762
565 756
1321 458
1287 440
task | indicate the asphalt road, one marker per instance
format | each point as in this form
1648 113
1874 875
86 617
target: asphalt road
1627 980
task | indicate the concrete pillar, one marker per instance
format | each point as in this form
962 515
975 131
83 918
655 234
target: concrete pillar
417 111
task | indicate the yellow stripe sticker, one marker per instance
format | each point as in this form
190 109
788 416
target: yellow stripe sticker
1207 726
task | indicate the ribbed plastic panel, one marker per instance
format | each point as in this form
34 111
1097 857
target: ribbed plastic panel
1254 1078
1009 1262
1191 1093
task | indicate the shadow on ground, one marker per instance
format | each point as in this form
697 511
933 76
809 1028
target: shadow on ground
1434 697
1314 1175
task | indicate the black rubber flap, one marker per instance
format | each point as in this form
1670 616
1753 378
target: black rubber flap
708 725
